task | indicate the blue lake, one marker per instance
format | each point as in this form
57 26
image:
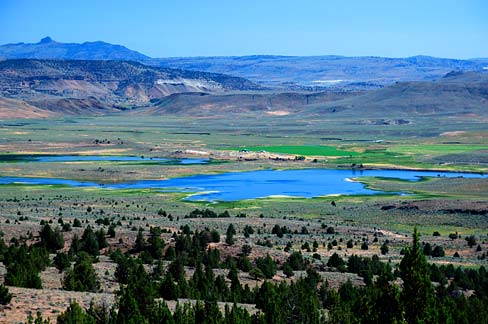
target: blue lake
235 186
101 158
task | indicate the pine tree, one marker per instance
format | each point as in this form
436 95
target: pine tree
417 292
168 288
74 314
142 289
387 308
128 309
161 314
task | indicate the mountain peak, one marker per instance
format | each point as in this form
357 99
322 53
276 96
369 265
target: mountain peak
47 48
46 40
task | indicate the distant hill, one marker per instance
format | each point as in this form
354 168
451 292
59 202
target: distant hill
41 88
257 104
97 87
47 48
327 71
290 72
455 94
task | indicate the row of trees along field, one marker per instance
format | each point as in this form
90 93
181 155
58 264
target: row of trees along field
426 294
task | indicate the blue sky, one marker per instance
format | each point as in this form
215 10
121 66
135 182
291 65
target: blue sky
393 28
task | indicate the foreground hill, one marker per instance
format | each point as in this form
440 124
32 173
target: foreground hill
460 94
76 87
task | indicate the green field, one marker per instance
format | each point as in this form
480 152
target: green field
437 149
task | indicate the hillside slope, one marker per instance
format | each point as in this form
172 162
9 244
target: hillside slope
257 104
13 108
456 94
77 85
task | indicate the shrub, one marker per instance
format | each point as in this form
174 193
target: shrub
5 295
335 261
438 252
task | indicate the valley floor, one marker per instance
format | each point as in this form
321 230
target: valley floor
455 206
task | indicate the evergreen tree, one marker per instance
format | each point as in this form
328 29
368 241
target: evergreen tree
82 277
101 240
288 270
5 295
89 242
387 307
23 265
74 314
102 313
62 261
336 261
256 273
155 246
140 241
296 261
161 314
267 266
168 288
128 309
111 231
417 292
229 236
51 240
142 290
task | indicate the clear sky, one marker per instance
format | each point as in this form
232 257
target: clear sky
394 28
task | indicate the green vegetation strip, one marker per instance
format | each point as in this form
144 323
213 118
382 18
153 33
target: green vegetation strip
436 149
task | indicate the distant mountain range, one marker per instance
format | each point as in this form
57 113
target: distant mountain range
47 48
333 72
99 78
44 88
291 72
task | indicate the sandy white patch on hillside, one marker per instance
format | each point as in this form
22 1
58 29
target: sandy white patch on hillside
454 133
278 113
